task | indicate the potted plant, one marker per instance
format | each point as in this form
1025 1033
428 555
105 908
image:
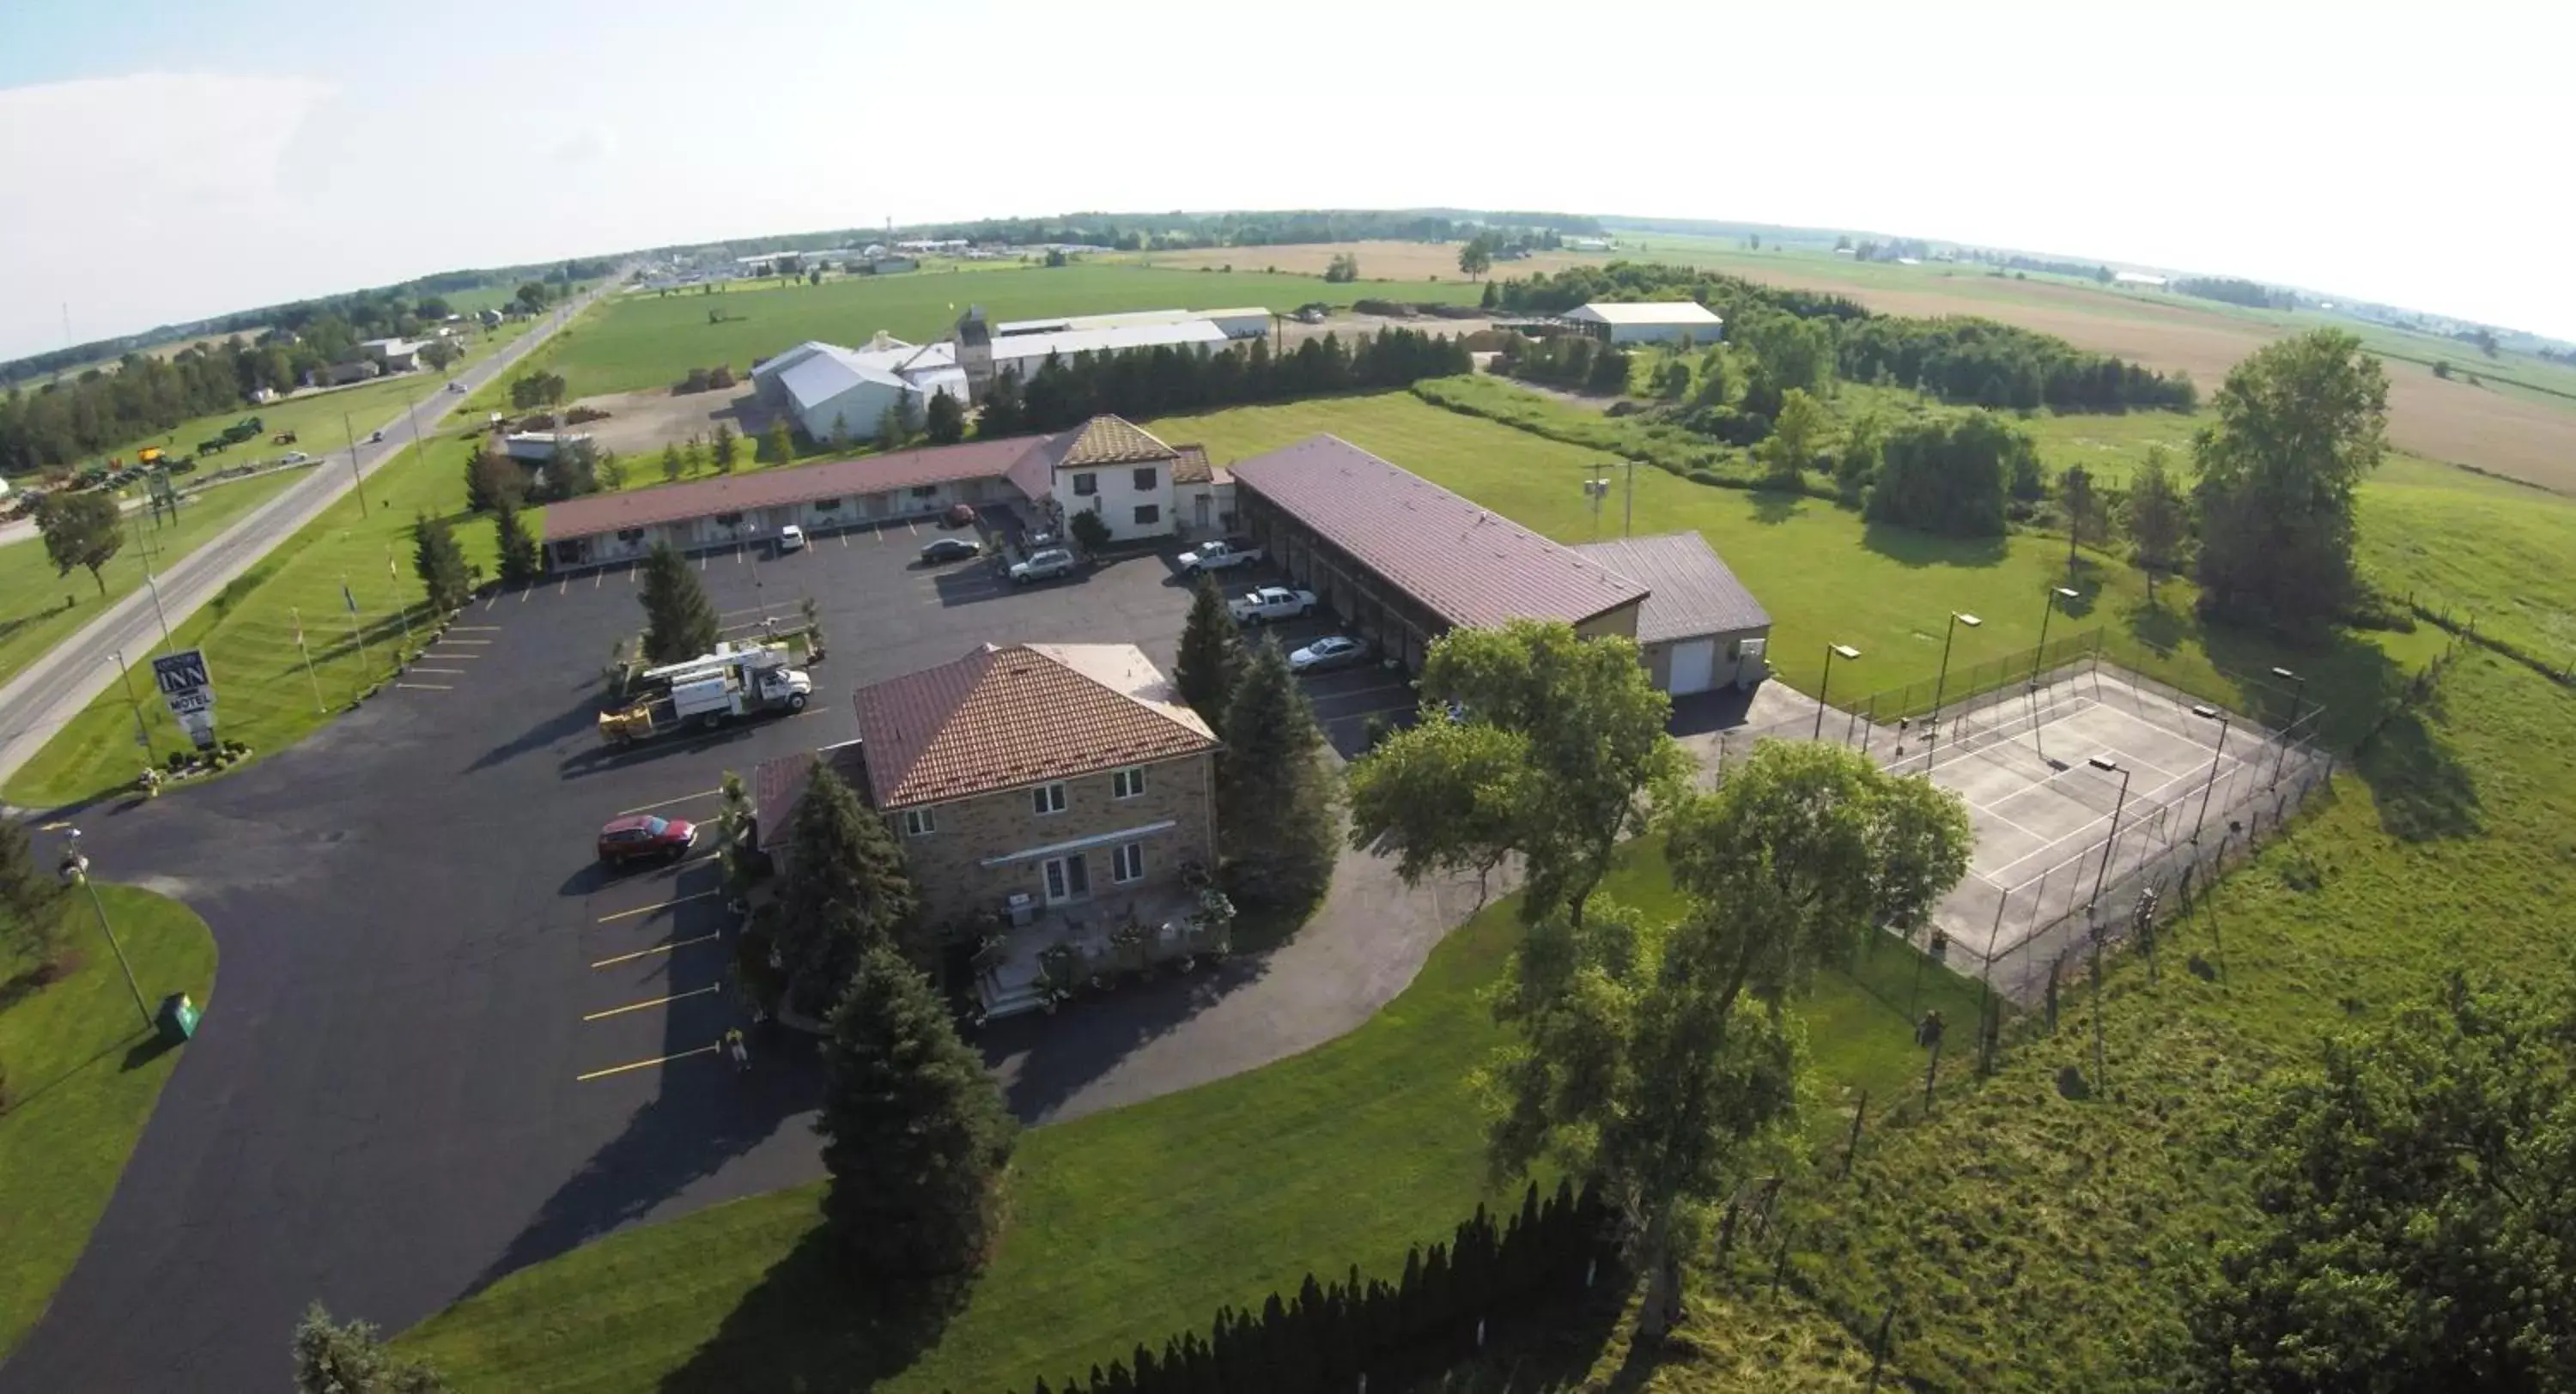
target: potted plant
1131 940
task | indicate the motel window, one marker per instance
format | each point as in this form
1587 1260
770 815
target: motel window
1147 481
825 505
1127 784
630 536
728 520
1148 514
1086 484
919 822
1128 862
925 491
1047 798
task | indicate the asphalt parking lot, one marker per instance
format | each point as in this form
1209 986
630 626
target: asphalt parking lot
447 1044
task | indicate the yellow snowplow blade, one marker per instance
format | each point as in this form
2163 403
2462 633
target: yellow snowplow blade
632 724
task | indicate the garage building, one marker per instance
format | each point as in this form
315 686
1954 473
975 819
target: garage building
1700 629
1650 321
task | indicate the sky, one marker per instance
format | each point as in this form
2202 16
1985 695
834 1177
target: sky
169 160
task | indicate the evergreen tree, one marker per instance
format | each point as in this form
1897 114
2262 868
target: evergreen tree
1002 413
439 563
846 887
679 621
890 431
1276 802
727 447
1211 656
520 562
778 443
915 1136
337 1358
491 479
30 931
945 420
671 462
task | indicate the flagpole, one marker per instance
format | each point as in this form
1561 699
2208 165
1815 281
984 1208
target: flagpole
366 662
400 609
318 707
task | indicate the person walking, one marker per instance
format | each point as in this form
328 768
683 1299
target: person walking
741 1053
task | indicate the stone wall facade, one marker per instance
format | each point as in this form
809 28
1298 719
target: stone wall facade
958 866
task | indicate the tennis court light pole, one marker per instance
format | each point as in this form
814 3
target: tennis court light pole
2207 712
1832 651
2109 766
1942 683
2047 608
2298 694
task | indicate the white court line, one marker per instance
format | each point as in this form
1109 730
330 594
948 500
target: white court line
2084 833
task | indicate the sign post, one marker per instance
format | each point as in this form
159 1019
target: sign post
190 691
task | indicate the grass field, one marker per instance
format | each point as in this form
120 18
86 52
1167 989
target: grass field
650 340
264 695
82 1078
1127 1226
32 616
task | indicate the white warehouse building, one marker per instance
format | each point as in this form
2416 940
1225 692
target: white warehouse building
1650 321
839 395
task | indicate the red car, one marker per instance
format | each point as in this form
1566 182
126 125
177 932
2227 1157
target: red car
961 515
634 839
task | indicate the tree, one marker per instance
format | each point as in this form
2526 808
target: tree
2300 423
1055 257
1211 657
2410 1228
1633 1064
944 421
1275 799
1477 257
694 452
440 564
1795 434
1002 414
2442 369
492 479
2084 510
532 296
1856 464
916 1139
1090 531
30 930
520 562
890 433
1946 474
679 621
778 443
336 1358
1344 268
2156 517
672 464
846 887
727 447
437 354
1797 353
611 470
1582 761
81 530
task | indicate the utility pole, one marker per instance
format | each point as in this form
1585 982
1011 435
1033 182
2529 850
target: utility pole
76 869
126 675
360 479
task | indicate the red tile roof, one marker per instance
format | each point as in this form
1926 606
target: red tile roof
594 514
1465 563
1003 718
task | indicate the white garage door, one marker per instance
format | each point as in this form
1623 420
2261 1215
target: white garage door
1694 667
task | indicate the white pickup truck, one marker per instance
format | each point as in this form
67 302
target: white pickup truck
1270 603
1221 554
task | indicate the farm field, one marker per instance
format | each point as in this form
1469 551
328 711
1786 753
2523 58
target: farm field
647 340
1127 1226
82 1079
32 619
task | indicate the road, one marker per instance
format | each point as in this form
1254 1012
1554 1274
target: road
55 688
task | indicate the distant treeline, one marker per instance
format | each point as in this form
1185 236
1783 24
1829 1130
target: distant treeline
1545 294
1148 382
2250 294
1178 231
1573 361
2015 261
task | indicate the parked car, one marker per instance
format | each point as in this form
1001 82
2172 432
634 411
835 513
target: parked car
1220 555
1330 652
949 549
960 515
1270 603
1045 565
296 457
791 538
640 837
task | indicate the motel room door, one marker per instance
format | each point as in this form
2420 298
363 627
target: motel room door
1067 878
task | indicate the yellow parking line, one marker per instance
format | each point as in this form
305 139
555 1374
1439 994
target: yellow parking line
665 905
656 949
652 1002
465 641
643 1064
427 686
666 803
477 628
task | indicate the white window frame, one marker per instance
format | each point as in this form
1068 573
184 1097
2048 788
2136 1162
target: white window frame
1047 800
920 822
1127 863
1128 783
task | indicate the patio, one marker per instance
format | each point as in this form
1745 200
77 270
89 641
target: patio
1025 968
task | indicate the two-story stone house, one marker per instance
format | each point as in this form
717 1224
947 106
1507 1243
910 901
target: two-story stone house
1038 778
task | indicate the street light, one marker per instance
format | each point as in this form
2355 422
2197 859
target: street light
2209 713
75 872
126 676
2048 607
2109 766
1941 684
2297 695
1832 651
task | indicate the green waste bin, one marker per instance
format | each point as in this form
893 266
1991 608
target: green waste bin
178 1018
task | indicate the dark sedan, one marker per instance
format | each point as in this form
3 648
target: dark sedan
950 549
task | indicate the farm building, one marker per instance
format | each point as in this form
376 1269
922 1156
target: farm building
838 394
538 447
1249 322
1650 321
1404 561
1102 465
986 350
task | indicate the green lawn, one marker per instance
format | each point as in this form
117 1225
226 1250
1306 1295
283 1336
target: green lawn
82 1077
32 616
650 340
1126 1226
263 694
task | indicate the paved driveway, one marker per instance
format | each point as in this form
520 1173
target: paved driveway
446 1045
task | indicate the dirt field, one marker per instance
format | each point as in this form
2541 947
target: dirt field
1379 261
641 423
2440 420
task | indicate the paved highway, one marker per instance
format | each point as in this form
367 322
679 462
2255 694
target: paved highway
55 688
